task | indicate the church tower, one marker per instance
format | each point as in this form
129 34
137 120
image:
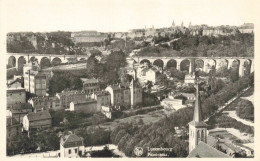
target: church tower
173 24
197 127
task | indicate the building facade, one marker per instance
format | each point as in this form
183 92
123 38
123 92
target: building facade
66 97
71 146
103 98
33 121
90 85
86 106
44 103
15 95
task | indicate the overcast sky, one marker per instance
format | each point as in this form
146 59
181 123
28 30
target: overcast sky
115 15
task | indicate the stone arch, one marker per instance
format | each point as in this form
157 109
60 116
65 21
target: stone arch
32 59
211 63
56 61
21 62
235 64
247 66
185 65
12 61
171 64
45 63
159 63
145 61
199 64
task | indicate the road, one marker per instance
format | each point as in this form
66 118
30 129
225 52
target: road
234 116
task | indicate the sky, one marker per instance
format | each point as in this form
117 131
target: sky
121 15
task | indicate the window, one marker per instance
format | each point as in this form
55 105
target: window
76 150
69 151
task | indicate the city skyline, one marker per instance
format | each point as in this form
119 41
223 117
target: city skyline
121 16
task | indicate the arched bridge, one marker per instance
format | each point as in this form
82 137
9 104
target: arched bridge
203 63
18 59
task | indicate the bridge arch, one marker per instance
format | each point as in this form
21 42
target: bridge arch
145 61
32 59
159 63
12 61
246 67
21 62
199 64
172 63
235 64
56 61
185 65
45 62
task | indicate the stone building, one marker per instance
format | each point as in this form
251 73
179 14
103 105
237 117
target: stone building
15 95
103 98
71 146
19 110
13 129
90 85
125 96
85 106
66 97
44 103
33 121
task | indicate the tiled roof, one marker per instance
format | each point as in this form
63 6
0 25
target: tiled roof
20 106
92 80
71 140
198 124
42 115
11 121
84 101
203 150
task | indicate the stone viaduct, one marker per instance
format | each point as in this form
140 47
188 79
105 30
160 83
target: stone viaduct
207 62
18 59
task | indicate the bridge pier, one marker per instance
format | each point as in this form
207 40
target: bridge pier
252 66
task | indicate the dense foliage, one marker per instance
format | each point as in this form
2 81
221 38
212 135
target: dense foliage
66 80
39 141
245 109
188 45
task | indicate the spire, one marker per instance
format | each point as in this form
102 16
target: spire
197 117
173 24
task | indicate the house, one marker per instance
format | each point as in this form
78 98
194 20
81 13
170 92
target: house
68 96
90 85
36 81
86 106
15 95
189 78
13 129
71 146
107 111
103 98
33 121
126 96
19 110
44 102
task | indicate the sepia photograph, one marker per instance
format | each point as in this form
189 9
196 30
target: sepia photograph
128 79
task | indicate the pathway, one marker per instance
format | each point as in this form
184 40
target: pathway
234 116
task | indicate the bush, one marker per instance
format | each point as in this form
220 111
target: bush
245 109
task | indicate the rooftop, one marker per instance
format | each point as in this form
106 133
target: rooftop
71 140
42 115
203 150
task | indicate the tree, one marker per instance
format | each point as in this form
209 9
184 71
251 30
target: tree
245 109
92 66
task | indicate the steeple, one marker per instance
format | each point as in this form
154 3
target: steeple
197 127
173 24
197 109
